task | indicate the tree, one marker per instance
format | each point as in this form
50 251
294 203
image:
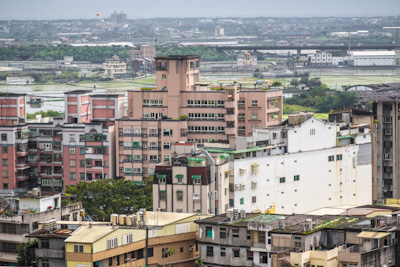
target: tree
25 258
198 262
105 197
168 253
294 82
276 84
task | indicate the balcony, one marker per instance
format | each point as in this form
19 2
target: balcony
154 161
154 148
230 104
230 130
230 117
132 147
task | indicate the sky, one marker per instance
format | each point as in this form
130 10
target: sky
87 9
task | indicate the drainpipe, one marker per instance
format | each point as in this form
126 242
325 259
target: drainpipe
212 176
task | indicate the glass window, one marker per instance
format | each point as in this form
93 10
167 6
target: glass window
73 174
282 180
296 178
236 253
210 251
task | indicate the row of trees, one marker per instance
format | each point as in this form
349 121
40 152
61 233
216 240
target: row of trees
95 54
207 54
323 99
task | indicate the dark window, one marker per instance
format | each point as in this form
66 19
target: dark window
110 261
45 263
132 255
248 235
150 252
45 243
236 253
8 228
223 252
331 158
117 258
235 232
181 249
210 251
5 149
263 257
261 237
164 252
140 254
339 157
249 255
222 233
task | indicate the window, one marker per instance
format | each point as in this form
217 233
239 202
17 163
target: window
248 234
72 150
73 175
45 242
162 195
5 162
164 252
261 237
242 201
236 253
312 131
81 151
331 158
5 186
235 232
209 231
253 199
5 149
388 131
223 252
127 239
241 103
339 157
72 163
150 252
83 176
249 255
78 248
210 251
112 242
296 178
282 180
263 257
45 263
8 228
167 145
4 137
167 132
254 103
140 254
166 158
387 156
254 116
196 180
179 195
164 76
5 174
254 168
71 138
222 232
110 261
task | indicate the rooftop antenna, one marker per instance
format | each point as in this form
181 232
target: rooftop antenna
348 51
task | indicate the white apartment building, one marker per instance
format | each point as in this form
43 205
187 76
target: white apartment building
301 167
113 67
320 58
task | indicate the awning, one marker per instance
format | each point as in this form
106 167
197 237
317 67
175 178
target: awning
196 159
345 137
25 131
179 176
373 235
162 176
224 156
196 176
161 191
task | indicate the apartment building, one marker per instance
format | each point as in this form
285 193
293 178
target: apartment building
88 151
246 61
83 106
386 171
113 66
12 109
146 239
280 165
320 58
192 181
181 108
355 237
22 217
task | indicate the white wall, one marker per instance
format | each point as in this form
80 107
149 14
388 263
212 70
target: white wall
322 183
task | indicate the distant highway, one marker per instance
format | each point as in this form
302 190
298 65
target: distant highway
305 47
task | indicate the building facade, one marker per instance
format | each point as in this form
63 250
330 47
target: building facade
373 58
181 108
113 66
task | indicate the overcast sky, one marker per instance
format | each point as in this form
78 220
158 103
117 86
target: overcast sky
87 9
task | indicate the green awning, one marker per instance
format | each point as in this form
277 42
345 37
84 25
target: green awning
196 176
200 159
192 159
162 176
138 182
345 137
224 156
179 191
196 159
179 176
25 131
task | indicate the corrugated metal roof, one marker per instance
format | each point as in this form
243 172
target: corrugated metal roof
374 53
89 235
373 235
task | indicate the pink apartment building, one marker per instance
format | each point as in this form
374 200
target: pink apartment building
181 108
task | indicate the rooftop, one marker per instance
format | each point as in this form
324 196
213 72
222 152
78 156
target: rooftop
77 92
6 94
62 234
89 234
374 53
178 57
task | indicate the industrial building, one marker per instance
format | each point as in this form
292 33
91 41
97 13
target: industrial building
373 58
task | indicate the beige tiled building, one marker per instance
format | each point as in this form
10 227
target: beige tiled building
181 108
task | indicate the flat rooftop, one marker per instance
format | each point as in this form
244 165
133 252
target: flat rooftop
178 57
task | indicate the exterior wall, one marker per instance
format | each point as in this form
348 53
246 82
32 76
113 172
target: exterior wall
77 107
343 182
12 109
41 204
107 107
374 60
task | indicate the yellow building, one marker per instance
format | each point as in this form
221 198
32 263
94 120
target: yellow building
123 245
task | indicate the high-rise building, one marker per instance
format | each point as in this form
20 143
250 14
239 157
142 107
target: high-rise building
181 108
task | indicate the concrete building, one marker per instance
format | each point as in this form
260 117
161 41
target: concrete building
373 58
320 58
88 151
246 62
192 181
219 31
271 240
18 220
280 165
77 106
182 109
113 66
12 109
148 236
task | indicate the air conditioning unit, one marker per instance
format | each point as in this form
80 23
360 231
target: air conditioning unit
190 248
121 161
145 171
144 157
120 133
145 135
144 147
